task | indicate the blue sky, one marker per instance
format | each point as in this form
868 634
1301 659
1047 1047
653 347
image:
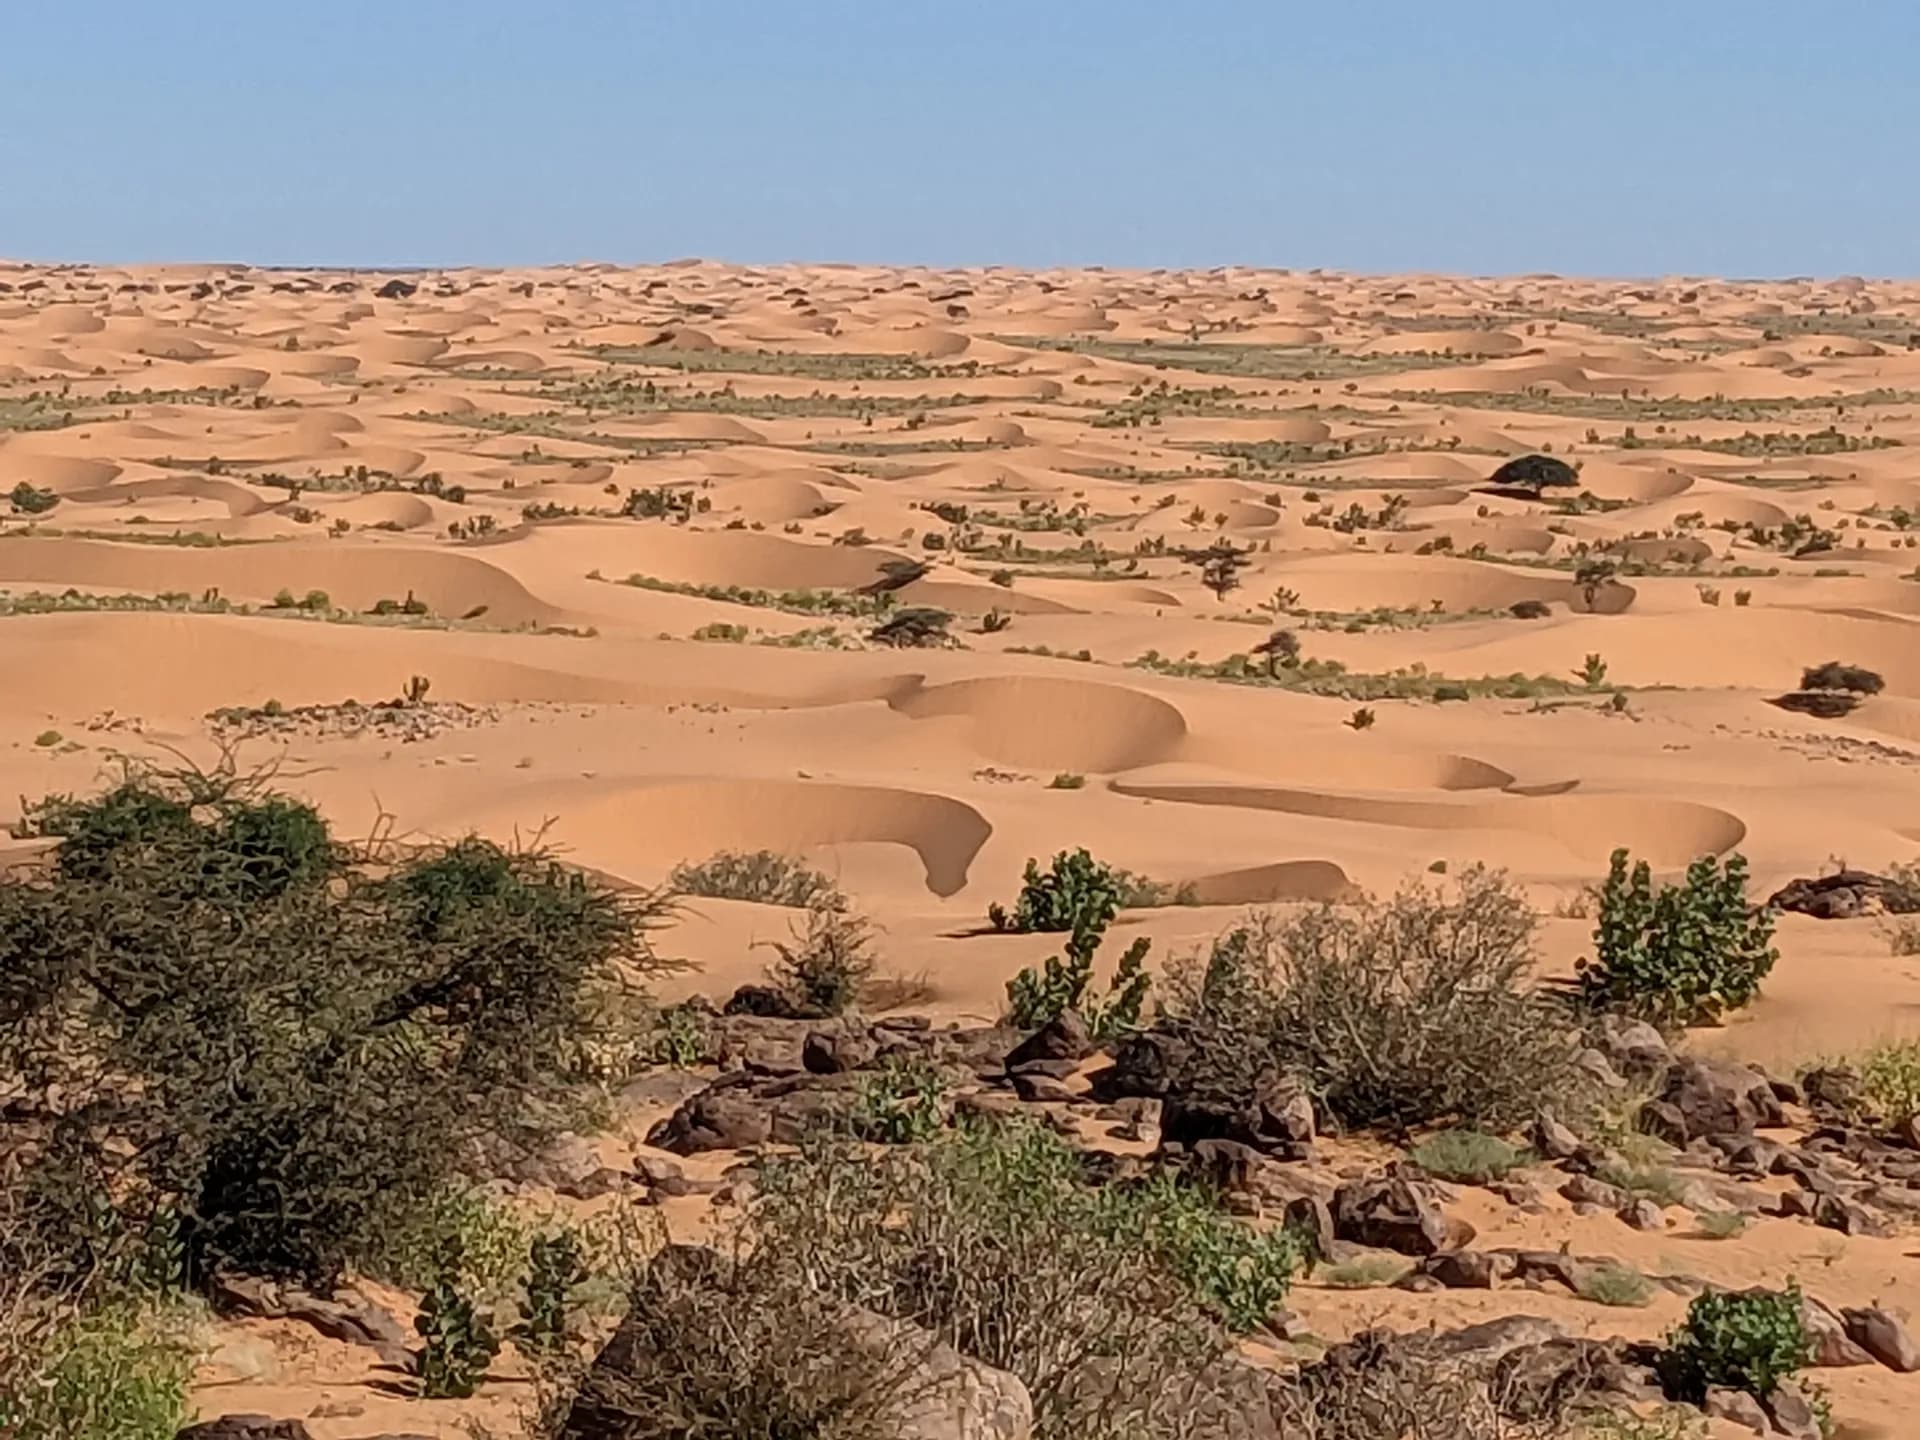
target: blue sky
1630 138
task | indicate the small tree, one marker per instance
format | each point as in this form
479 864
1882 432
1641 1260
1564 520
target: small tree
1534 473
1282 648
1220 565
1684 954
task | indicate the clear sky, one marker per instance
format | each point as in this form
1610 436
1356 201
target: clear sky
1619 138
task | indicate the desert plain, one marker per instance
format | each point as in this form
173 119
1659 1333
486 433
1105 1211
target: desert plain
625 536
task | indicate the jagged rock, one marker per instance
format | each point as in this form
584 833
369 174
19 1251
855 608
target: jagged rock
1792 1413
1828 1344
1841 896
1587 1190
1309 1215
1644 1214
1883 1337
359 1322
1468 1269
986 1105
1552 1140
1663 1120
396 289
1277 1118
766 1002
1715 1096
1139 1110
1393 1213
1054 1069
1736 1407
1491 1339
1147 1063
1831 1089
1849 1217
721 1117
1752 1155
245 1427
1065 1037
1227 1165
835 1052
1038 1088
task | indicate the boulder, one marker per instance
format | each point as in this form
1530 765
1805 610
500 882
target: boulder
1715 1096
1828 1344
1736 1407
1883 1337
1391 1212
1148 1063
723 1116
835 1052
1038 1088
354 1322
1634 1047
1792 1414
1551 1140
1065 1037
1469 1269
1644 1214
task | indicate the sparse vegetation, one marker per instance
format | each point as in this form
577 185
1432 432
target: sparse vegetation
1681 954
825 961
762 877
1468 1156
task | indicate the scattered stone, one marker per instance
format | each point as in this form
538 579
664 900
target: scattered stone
1587 1190
1738 1407
1065 1037
1849 1217
1883 1337
835 1052
1792 1413
1713 1096
1468 1269
1634 1047
1552 1140
1845 895
1644 1214
1394 1213
1829 1346
1038 1088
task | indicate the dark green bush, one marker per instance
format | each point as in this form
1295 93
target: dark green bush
460 1343
1747 1340
212 1009
1074 891
1682 955
556 1267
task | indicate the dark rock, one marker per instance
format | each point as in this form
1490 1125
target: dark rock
1492 1339
835 1052
356 1322
1309 1215
396 289
1715 1096
1663 1120
1038 1088
1844 895
1227 1165
721 1117
1849 1217
1132 1110
1065 1037
1055 1069
1831 1089
245 1427
1394 1213
1147 1063
1469 1269
1828 1344
986 1105
1883 1337
765 1001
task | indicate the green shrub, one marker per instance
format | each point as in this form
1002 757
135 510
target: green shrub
824 963
1683 955
556 1267
764 877
1067 780
1239 1274
118 1371
411 1241
460 1343
284 1040
1746 1340
1890 1080
900 1104
1075 891
1468 1156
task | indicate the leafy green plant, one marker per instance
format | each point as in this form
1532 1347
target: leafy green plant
487 1236
900 1104
1890 1080
116 1371
679 1037
1074 891
1688 953
1748 1340
556 1266
460 1343
1237 1273
1468 1156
